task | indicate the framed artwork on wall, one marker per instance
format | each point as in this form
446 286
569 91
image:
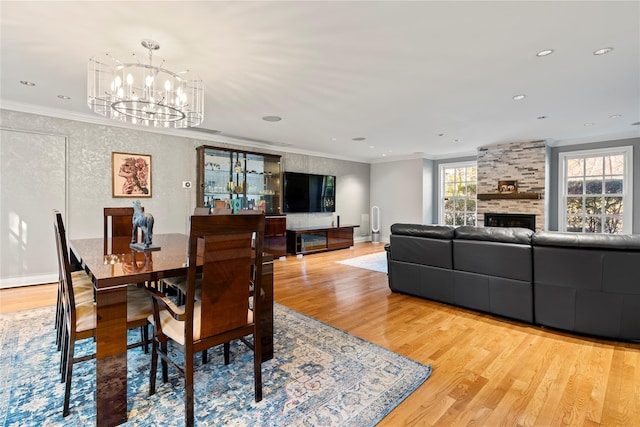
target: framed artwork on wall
131 175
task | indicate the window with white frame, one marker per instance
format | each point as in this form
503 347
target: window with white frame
595 194
457 193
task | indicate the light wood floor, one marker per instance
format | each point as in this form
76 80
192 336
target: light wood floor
486 371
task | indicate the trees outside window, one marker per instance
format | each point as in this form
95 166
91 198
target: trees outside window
458 193
595 196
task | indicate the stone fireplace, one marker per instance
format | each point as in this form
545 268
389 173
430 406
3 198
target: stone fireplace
523 162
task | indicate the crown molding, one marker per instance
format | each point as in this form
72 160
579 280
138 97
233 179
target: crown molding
185 133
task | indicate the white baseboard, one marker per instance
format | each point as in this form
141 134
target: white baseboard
360 239
38 279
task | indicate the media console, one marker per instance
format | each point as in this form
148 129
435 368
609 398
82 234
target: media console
308 240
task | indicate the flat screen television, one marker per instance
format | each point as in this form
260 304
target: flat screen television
309 193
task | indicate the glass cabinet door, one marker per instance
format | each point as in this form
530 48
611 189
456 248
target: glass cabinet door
262 183
216 178
251 178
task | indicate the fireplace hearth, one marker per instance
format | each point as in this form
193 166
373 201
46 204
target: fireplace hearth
510 220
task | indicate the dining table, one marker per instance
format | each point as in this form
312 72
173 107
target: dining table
112 266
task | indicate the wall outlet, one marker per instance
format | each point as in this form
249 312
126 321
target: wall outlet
186 184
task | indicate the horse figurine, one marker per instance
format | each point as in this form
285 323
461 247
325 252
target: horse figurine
144 221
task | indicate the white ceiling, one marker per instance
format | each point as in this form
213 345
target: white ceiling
398 73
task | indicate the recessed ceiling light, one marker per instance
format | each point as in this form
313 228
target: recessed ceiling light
603 51
589 124
372 146
359 138
615 116
545 52
334 139
271 118
456 140
542 117
65 97
519 97
635 124
441 134
27 83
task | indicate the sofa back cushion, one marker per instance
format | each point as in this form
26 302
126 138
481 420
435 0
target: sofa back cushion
582 268
516 235
420 230
421 250
494 251
428 245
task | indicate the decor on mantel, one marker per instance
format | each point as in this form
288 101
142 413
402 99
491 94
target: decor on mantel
508 189
507 186
144 94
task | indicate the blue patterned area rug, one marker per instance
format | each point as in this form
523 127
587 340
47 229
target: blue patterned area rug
320 376
375 262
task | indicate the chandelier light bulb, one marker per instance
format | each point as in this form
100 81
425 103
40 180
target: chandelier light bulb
178 103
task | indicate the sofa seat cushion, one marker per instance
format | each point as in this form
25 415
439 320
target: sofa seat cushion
506 260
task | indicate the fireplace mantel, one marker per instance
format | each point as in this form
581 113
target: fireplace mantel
497 196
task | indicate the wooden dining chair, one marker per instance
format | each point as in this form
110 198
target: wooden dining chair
179 283
79 317
230 267
118 222
82 285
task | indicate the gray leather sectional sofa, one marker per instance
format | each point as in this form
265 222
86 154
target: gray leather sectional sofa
583 283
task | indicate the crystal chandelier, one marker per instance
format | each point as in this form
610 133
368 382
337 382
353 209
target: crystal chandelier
144 94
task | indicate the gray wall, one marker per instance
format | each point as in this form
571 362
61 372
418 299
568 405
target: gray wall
26 237
397 188
173 160
352 192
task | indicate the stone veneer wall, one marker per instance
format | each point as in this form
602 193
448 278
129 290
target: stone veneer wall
521 161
